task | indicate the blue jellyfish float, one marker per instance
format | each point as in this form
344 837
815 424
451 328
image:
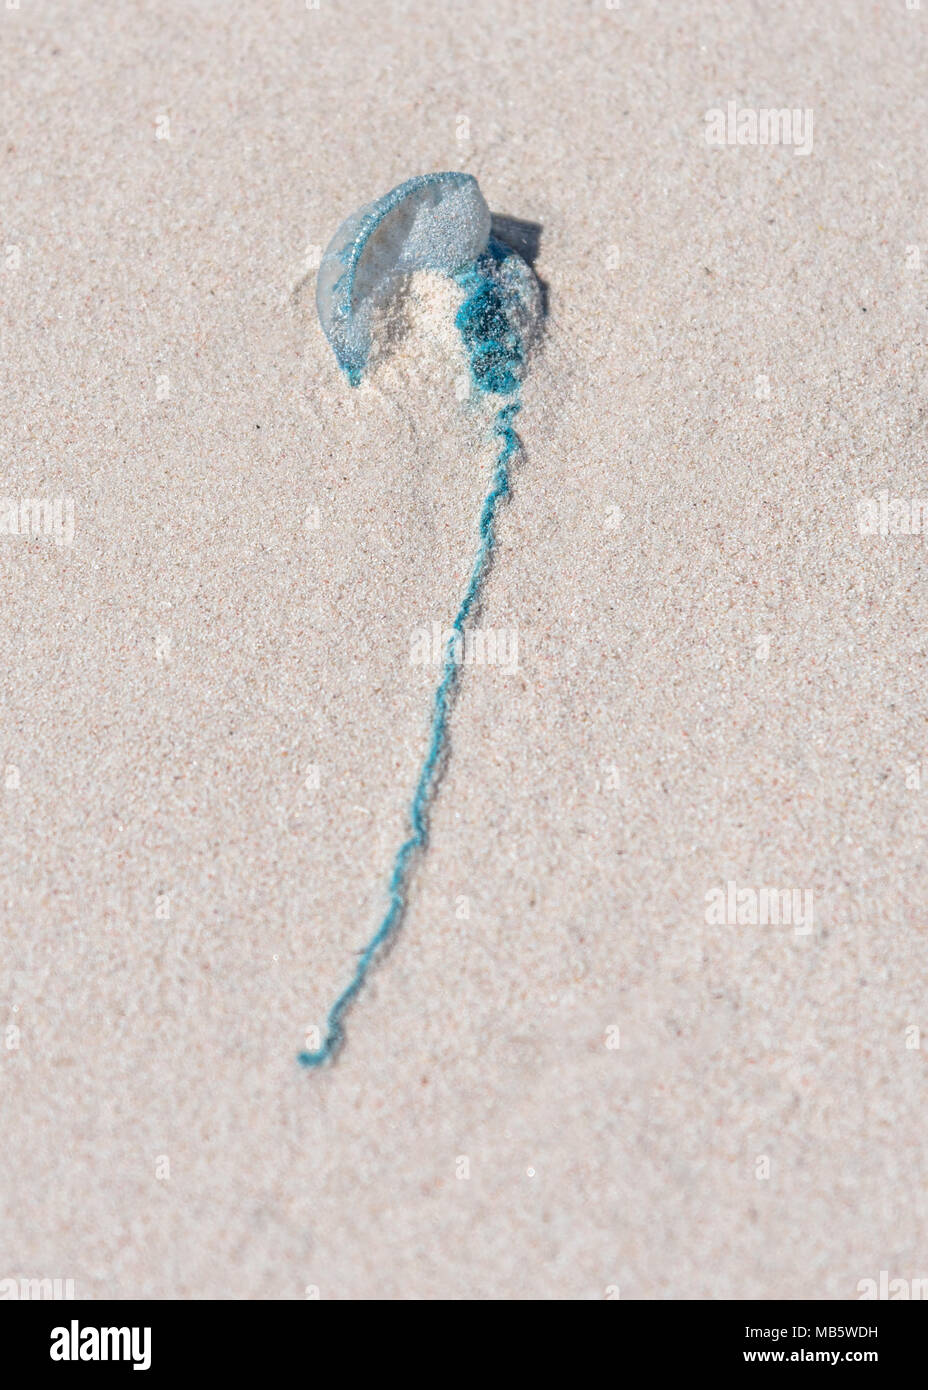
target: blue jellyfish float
437 222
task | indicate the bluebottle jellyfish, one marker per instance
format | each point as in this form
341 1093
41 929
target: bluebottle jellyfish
436 222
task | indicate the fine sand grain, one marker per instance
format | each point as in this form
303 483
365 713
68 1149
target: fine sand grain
211 722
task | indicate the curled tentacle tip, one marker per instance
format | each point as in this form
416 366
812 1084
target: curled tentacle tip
312 1059
326 1053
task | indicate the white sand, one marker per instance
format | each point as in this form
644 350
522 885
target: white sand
169 678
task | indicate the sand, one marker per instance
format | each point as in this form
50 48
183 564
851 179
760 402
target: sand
564 1080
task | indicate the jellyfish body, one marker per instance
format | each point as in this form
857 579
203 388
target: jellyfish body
437 222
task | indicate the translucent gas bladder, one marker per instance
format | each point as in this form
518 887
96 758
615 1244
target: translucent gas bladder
437 222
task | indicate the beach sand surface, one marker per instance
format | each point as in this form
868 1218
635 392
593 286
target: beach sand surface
574 1073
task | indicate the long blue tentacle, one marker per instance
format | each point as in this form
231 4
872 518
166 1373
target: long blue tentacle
425 787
